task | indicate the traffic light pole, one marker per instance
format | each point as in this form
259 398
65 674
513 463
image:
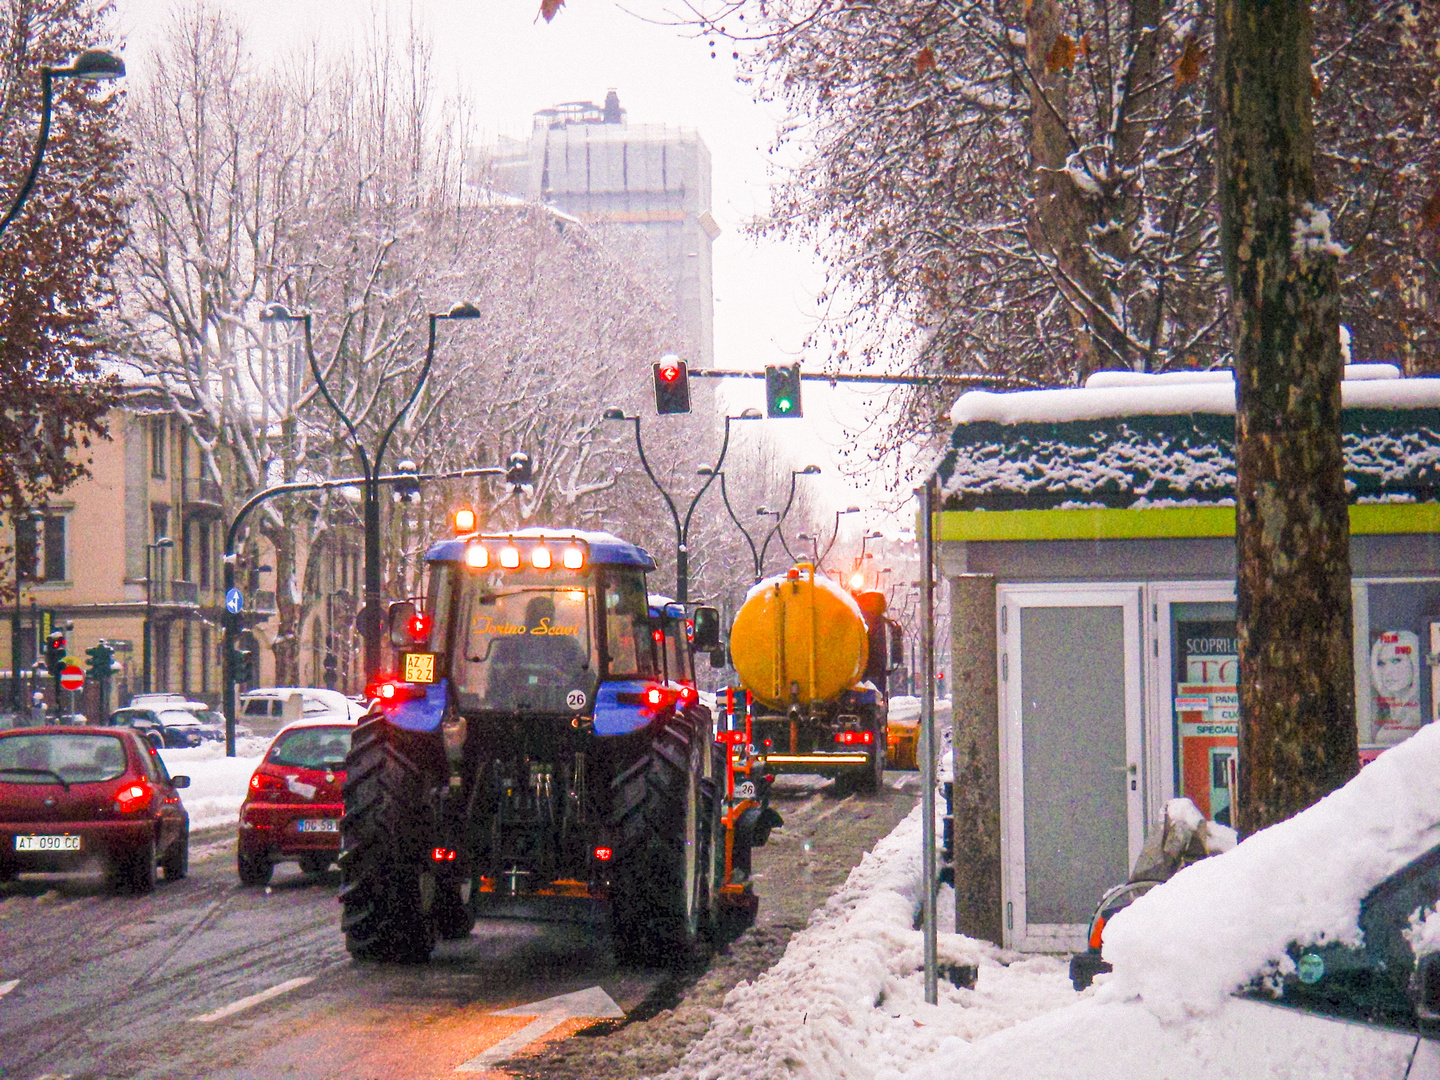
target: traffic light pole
232 620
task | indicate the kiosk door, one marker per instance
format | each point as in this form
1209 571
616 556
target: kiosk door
1071 755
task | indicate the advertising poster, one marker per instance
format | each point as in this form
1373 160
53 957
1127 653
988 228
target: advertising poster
1207 714
1395 683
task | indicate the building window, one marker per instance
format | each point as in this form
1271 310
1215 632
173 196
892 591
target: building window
204 553
187 550
27 549
158 432
204 659
55 548
159 522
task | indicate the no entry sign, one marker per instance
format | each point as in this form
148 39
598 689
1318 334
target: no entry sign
72 678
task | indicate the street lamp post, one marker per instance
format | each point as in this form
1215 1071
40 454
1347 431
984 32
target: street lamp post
369 467
780 515
92 65
33 516
835 532
749 540
682 530
151 556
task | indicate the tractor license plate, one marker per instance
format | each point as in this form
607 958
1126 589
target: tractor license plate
418 667
328 824
47 843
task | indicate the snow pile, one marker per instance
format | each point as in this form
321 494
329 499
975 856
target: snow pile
217 783
847 1000
1186 945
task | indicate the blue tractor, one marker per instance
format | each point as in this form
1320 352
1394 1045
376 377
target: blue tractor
542 745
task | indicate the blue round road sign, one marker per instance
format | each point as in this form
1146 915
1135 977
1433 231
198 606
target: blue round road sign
234 603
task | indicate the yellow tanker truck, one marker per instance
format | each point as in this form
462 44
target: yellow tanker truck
815 660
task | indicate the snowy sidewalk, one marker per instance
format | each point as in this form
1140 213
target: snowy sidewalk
217 783
846 1000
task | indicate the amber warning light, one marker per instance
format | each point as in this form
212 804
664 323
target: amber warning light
464 521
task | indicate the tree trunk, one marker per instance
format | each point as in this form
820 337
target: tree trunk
1297 694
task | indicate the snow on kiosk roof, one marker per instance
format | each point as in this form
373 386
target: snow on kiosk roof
1135 441
604 547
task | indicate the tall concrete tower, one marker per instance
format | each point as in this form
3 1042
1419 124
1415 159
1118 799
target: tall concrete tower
654 180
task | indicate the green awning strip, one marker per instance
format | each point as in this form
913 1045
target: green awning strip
1160 523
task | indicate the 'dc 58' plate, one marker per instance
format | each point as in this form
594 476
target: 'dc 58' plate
47 843
320 825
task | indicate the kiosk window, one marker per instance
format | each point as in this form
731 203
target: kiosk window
1204 684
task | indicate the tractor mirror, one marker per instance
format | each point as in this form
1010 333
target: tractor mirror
402 615
707 629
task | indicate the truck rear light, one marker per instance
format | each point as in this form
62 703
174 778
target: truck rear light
852 738
603 854
133 796
441 854
392 692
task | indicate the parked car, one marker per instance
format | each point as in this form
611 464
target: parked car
270 708
293 807
71 797
165 727
212 721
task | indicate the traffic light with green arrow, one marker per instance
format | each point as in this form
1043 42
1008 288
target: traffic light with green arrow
782 390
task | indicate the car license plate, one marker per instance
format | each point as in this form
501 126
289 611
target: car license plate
47 843
328 824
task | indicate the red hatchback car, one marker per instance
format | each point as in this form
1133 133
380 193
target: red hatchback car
294 805
74 799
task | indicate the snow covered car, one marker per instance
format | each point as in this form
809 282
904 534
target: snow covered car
293 807
270 708
163 727
74 798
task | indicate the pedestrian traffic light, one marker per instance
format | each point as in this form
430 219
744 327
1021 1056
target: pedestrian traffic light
55 653
406 490
782 390
672 386
102 662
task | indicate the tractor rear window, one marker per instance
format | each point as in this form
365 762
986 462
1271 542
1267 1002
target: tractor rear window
629 648
53 759
312 748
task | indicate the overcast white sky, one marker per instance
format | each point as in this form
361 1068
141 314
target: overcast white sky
512 64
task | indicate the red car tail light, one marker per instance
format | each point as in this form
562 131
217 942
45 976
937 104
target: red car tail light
263 782
133 796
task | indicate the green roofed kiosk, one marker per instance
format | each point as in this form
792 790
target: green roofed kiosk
1088 535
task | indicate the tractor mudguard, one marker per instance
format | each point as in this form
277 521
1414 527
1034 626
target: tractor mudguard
420 713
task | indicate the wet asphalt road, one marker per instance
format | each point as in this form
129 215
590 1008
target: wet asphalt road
95 987
109 987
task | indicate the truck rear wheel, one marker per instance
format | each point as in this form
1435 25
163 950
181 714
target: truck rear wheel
660 895
387 885
870 780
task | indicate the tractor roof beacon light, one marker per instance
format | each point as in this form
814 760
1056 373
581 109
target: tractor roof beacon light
540 558
464 521
782 391
672 385
510 557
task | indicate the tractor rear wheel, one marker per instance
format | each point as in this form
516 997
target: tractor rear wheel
660 895
387 885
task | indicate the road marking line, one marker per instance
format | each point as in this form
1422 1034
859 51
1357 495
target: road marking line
254 999
591 1004
6 987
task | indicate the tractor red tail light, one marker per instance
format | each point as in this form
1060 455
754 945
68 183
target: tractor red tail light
392 692
655 697
603 854
441 854
133 796
689 695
